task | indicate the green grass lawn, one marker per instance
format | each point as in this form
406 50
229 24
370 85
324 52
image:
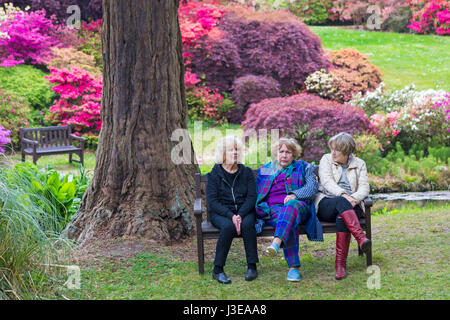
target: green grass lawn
402 58
57 162
410 248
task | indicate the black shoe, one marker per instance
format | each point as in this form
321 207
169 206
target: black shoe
251 274
221 277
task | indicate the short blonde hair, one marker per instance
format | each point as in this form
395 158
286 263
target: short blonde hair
290 143
342 142
224 144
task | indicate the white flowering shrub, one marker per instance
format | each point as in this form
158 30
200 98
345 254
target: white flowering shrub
323 84
381 101
409 116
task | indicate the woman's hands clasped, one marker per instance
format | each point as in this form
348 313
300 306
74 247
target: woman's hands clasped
290 197
350 199
237 220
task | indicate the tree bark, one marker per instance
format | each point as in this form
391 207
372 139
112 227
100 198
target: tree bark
136 188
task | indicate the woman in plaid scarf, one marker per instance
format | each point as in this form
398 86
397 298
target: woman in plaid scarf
286 188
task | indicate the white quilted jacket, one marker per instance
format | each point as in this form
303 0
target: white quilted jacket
330 172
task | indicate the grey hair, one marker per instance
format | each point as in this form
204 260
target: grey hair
342 142
226 142
290 143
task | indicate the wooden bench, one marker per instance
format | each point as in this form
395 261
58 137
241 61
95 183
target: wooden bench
38 142
205 230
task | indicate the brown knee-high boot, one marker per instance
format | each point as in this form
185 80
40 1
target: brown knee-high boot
342 246
351 221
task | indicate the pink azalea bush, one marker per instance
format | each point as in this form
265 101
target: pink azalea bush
79 103
204 103
28 38
445 106
423 121
197 20
433 18
4 134
386 128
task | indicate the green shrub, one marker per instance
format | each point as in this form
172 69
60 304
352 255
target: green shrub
368 149
442 153
398 20
55 191
412 171
14 114
30 241
29 83
312 12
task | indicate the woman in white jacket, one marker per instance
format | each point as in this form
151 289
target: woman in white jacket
344 185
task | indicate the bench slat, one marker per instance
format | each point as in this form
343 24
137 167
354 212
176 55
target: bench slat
50 150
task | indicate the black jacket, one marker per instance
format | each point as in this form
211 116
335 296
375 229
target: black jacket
227 200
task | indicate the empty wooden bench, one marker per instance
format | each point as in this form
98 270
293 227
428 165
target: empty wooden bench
205 230
38 142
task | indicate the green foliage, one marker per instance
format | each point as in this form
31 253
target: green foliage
54 190
412 171
442 153
312 12
368 149
29 233
29 83
14 114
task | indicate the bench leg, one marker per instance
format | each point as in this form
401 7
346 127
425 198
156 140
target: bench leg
70 157
81 158
201 255
360 252
23 157
35 159
369 256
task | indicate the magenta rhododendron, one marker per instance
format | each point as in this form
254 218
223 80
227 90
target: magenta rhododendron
197 19
433 18
80 100
4 134
29 38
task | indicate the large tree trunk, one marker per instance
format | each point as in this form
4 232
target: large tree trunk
137 189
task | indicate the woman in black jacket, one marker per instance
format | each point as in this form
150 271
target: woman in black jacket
231 198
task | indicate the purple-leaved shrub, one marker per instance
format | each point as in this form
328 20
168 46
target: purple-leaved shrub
251 89
308 118
273 43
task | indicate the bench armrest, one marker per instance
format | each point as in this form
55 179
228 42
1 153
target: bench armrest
368 202
77 137
81 139
368 212
33 142
198 207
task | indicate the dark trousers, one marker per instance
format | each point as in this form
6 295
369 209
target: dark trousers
331 208
228 232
